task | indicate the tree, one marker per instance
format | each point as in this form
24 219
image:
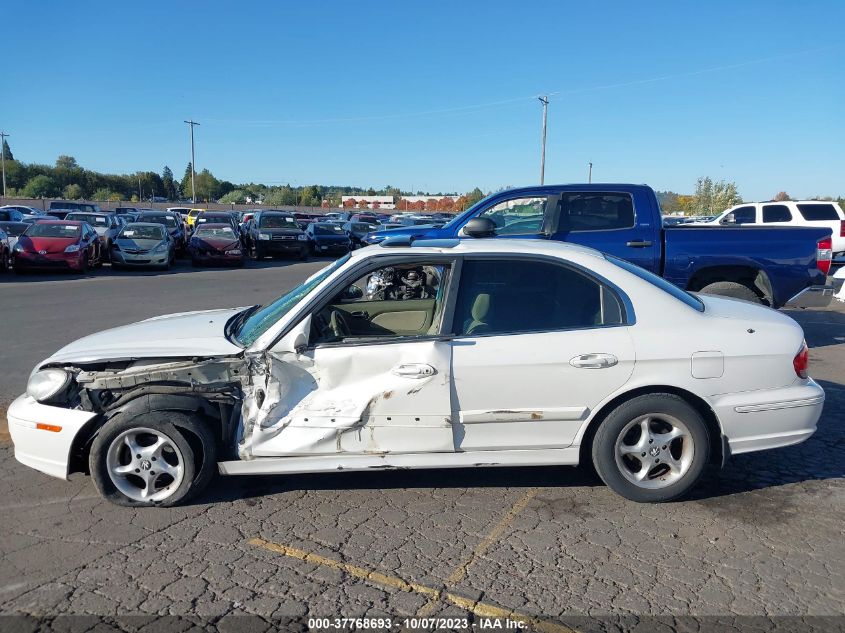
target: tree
186 180
40 186
104 194
72 192
310 196
66 162
781 196
237 196
474 196
167 183
7 151
712 198
208 187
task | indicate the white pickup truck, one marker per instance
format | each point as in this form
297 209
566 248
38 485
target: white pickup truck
815 213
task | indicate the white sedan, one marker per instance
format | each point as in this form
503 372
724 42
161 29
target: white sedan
435 354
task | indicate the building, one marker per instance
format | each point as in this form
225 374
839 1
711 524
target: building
367 202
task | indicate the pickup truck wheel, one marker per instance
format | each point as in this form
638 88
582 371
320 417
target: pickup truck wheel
731 289
156 459
652 448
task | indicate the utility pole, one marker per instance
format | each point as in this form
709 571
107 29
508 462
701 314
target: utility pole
3 136
192 123
545 102
590 173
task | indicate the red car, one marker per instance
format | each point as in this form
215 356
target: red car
215 244
58 244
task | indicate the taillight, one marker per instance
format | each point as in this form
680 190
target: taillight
824 254
842 228
802 361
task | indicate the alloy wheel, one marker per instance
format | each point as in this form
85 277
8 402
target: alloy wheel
654 450
145 464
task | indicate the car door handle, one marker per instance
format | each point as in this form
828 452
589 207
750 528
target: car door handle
638 243
594 361
361 314
414 370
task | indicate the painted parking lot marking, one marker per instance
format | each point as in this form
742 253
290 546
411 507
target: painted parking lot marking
480 609
460 572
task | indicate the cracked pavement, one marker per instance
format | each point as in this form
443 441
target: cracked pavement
763 537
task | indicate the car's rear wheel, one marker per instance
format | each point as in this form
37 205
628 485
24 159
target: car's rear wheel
731 289
652 448
156 459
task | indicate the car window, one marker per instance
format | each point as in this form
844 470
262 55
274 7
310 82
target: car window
510 296
518 216
776 213
745 215
278 222
595 211
818 212
53 230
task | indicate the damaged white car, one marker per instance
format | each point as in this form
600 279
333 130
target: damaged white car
434 354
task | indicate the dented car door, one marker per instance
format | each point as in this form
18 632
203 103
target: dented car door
390 397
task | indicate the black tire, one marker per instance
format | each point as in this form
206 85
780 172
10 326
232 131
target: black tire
652 405
192 437
731 289
84 269
303 254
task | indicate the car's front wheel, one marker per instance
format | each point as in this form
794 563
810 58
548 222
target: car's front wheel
155 459
652 448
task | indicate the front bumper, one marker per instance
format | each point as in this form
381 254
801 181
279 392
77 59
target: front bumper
770 418
816 296
331 247
24 259
149 258
282 246
44 450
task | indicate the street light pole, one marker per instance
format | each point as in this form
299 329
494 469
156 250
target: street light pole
590 174
192 123
3 136
545 102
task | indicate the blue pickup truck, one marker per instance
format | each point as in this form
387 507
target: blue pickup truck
776 266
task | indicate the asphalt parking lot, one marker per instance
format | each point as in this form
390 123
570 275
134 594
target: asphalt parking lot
763 537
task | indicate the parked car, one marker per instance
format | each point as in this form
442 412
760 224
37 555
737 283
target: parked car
143 245
191 217
61 208
5 250
368 218
19 212
215 244
10 214
105 224
814 213
58 244
126 211
12 231
217 217
173 224
357 231
777 266
328 238
539 353
275 233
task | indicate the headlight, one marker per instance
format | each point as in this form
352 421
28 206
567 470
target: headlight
302 237
263 236
73 248
234 251
161 247
19 248
46 383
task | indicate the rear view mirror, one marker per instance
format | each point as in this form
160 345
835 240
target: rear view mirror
480 227
730 218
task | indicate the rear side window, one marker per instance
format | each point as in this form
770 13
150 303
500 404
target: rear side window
776 213
595 211
514 296
665 286
818 212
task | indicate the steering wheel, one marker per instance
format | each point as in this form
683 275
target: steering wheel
339 326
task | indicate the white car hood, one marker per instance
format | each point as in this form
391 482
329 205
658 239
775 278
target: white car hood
181 335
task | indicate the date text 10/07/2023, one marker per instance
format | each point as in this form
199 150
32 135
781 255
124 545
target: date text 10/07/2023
415 623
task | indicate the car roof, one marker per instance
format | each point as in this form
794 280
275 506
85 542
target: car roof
153 224
74 222
217 225
103 213
496 246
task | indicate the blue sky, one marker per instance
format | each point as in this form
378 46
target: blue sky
437 96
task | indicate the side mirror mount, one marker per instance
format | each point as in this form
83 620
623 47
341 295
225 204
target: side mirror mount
295 341
480 227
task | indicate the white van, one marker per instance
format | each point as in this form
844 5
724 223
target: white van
817 213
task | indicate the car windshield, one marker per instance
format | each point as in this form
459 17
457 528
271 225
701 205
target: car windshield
214 219
277 222
327 229
159 219
141 232
361 227
70 231
262 319
681 295
211 231
90 218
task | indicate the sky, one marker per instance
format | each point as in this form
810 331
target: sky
435 96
